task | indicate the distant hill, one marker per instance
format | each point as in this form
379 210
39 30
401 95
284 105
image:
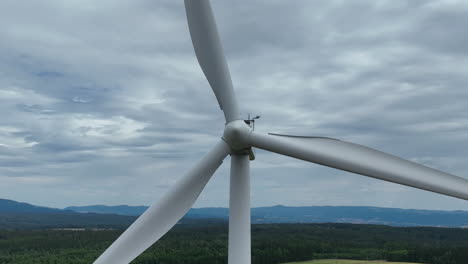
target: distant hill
14 213
17 215
40 220
360 215
10 206
104 209
315 214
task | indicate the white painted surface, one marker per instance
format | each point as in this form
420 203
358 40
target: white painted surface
162 216
239 211
363 160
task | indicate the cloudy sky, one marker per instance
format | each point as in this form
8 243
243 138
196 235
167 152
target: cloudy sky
103 102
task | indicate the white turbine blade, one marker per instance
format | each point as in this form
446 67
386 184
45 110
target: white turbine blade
210 55
362 160
239 211
163 215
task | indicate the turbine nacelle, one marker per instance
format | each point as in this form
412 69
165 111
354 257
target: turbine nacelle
236 135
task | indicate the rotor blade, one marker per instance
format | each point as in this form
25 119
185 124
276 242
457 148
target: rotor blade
162 216
362 160
210 55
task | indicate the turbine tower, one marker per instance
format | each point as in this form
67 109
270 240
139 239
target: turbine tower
238 140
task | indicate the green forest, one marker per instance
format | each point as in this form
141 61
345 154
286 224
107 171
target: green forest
271 243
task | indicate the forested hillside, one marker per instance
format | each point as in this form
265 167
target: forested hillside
277 243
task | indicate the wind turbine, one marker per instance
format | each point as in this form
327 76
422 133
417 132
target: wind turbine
238 140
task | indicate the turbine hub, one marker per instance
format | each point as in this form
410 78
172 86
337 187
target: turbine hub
236 134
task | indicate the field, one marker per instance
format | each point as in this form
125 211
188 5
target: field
346 261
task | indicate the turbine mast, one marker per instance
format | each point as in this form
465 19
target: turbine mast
239 210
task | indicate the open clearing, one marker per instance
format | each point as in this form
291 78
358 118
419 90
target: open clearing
348 261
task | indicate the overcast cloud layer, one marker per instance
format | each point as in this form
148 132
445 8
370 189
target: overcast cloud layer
103 102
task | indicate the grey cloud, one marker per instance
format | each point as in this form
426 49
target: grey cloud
105 101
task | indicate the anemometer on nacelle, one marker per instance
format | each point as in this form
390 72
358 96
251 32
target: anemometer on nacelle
251 121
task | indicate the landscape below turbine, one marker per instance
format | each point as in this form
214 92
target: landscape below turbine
237 141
